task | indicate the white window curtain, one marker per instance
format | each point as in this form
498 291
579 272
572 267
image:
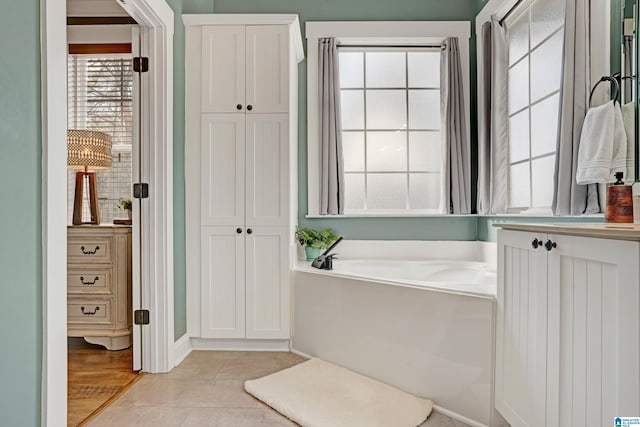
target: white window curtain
570 198
457 170
493 143
332 194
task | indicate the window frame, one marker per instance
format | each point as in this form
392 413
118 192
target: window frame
599 52
372 33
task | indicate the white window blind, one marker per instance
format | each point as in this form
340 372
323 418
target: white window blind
100 97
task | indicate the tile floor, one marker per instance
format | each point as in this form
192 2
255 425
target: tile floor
207 390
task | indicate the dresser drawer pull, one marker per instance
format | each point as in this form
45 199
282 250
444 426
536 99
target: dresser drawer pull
89 283
88 252
89 313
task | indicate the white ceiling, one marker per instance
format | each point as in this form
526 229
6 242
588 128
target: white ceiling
78 8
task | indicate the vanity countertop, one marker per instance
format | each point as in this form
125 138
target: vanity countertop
619 231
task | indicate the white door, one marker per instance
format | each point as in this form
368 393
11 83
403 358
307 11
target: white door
267 282
267 73
521 334
594 331
223 275
223 69
267 167
222 171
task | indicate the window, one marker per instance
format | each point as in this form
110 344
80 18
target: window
535 69
390 106
100 97
392 148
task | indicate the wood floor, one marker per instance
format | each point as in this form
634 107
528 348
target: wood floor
95 377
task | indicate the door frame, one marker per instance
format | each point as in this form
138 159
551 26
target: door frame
156 19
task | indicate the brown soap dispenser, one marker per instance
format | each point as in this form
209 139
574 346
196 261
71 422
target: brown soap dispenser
619 201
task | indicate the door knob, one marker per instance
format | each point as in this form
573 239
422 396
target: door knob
238 230
550 245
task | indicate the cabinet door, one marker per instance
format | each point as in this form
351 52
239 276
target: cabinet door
594 331
267 282
267 68
222 263
521 329
222 169
223 69
267 162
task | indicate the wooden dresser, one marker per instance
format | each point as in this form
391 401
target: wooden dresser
99 284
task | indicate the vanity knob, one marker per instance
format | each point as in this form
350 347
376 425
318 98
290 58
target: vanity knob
550 245
249 231
239 106
535 243
249 107
238 230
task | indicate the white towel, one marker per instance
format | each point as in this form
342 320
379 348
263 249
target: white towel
603 145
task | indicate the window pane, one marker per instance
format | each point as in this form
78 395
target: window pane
546 17
424 109
351 69
353 151
386 109
519 185
519 38
519 86
425 151
424 69
544 126
542 185
519 136
352 106
546 67
424 190
387 191
386 151
386 69
354 190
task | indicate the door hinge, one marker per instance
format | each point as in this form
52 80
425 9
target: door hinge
140 190
141 317
140 64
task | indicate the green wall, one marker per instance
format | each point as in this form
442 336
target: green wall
461 228
20 215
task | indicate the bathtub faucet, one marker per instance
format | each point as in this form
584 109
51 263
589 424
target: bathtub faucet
325 261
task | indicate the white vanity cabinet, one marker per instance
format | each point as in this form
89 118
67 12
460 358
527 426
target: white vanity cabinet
241 175
568 327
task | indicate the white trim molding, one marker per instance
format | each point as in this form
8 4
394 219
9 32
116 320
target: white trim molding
240 344
371 32
181 349
157 18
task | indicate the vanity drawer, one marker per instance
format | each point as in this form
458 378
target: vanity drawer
89 280
89 249
89 311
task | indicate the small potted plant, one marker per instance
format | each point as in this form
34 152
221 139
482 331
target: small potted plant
314 241
126 205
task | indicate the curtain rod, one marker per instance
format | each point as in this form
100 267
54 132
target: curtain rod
438 46
510 11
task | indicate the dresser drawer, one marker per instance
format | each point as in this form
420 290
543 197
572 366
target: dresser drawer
89 280
89 249
89 311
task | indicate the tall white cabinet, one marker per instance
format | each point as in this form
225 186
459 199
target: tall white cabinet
568 325
241 177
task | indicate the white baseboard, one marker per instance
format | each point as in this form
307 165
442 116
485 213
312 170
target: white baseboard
301 354
181 349
457 417
239 344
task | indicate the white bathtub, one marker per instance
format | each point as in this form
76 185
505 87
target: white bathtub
416 315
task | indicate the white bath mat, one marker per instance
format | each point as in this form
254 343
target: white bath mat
316 393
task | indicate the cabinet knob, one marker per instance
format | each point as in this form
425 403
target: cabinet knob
238 230
249 107
535 243
239 106
550 245
249 231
